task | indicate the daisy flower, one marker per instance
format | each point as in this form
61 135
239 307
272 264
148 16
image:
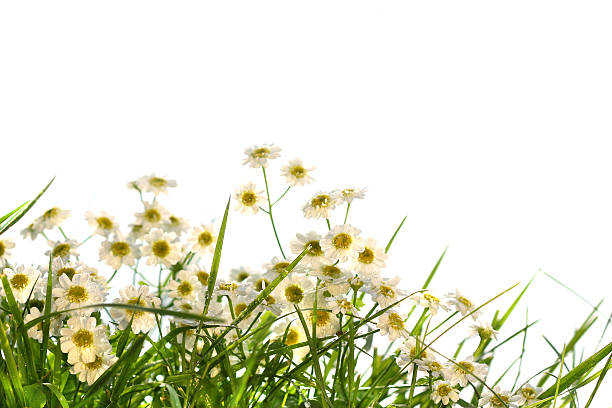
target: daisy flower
293 334
294 288
427 300
392 324
248 198
296 174
200 273
321 205
153 215
5 245
34 332
51 218
154 184
187 286
160 248
463 304
79 291
118 252
176 224
484 330
22 280
258 155
465 371
277 266
327 323
311 243
342 243
63 249
502 399
528 394
91 371
411 351
329 272
349 194
385 292
103 223
340 304
83 339
203 239
371 260
141 321
443 391
431 365
137 231
241 273
31 231
226 288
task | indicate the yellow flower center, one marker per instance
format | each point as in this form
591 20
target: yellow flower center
294 293
313 248
464 367
320 201
323 318
260 153
444 390
297 171
342 241
528 393
19 281
248 198
120 248
386 291
331 271
94 365
501 401
260 284
61 250
2 248
280 267
465 301
431 298
37 303
161 248
68 271
158 182
51 213
135 313
239 308
104 223
292 337
395 321
228 286
366 256
205 239
83 338
203 277
185 288
77 294
152 216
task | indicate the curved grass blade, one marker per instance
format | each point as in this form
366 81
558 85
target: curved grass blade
214 268
28 208
394 234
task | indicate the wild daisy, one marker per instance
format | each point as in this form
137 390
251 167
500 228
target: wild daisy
91 371
343 243
278 265
103 223
83 339
200 273
385 292
187 286
371 260
528 394
31 231
248 198
176 224
327 323
340 304
296 174
293 333
241 273
411 351
392 324
152 216
79 291
258 155
22 280
63 249
484 330
426 299
160 248
463 304
502 399
321 205
141 321
118 251
349 194
294 288
51 218
203 239
431 365
444 392
465 371
5 246
34 332
311 243
154 184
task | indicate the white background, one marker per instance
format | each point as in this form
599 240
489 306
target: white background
486 123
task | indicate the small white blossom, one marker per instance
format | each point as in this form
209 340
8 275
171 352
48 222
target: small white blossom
248 198
258 155
296 174
343 243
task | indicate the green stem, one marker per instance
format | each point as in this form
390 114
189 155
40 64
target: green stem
328 224
270 212
348 206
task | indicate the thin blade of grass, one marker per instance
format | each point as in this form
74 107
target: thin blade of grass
599 380
214 268
25 211
394 234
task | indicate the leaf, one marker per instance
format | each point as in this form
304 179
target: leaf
22 213
7 216
214 268
58 395
35 395
394 234
174 398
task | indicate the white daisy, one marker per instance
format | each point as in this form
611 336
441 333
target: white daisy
427 300
502 399
22 280
528 394
200 273
103 223
443 392
31 231
203 239
371 260
349 194
463 304
258 155
277 266
340 304
187 286
293 289
296 174
142 321
160 248
226 288
34 332
392 324
176 224
385 292
137 231
321 205
91 371
63 249
327 323
431 365
241 273
343 243
51 218
248 198
83 339
330 272
311 243
118 251
465 371
5 254
484 330
152 216
79 291
154 184
292 333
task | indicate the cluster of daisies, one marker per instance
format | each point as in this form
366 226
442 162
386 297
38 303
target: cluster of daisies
339 268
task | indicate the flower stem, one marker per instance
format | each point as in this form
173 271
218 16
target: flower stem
270 211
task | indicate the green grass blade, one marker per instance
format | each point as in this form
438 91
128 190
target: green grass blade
214 269
25 211
559 377
175 402
6 217
599 380
58 395
394 234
